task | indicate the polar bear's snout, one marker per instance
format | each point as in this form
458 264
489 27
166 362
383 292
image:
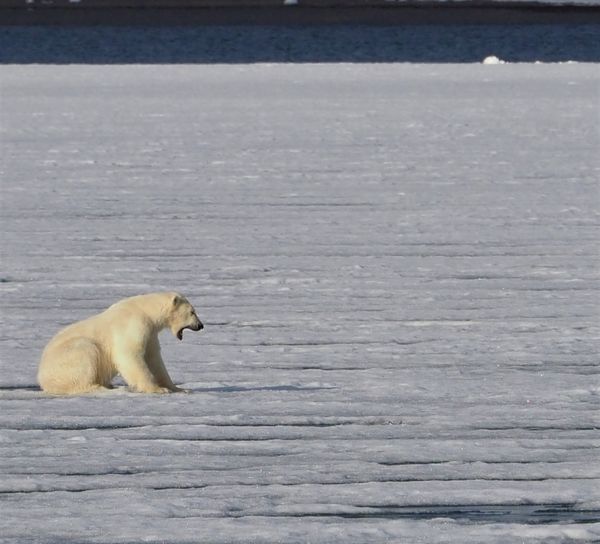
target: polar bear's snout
196 326
199 326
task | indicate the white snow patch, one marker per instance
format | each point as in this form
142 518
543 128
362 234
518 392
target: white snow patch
493 60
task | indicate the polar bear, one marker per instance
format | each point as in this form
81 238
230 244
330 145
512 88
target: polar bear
87 355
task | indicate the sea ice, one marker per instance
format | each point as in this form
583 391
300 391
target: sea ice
397 267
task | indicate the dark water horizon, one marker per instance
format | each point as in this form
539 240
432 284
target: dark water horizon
297 44
233 44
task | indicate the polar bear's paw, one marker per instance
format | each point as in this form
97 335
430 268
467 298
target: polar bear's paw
150 389
161 390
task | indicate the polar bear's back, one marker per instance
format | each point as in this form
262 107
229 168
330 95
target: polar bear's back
90 327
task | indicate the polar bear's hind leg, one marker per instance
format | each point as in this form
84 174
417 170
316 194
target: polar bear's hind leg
73 367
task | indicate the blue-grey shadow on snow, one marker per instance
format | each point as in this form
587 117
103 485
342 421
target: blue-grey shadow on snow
243 389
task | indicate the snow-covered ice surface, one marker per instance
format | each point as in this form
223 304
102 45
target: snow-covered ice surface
397 266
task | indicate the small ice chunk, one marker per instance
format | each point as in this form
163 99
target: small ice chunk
493 60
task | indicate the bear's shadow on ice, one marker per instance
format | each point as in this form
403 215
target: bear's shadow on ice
120 388
244 389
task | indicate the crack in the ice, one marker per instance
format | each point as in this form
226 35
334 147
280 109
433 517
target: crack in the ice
74 427
317 343
534 514
166 487
538 428
99 427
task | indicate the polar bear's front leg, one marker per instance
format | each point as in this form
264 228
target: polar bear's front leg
134 370
157 366
138 377
129 359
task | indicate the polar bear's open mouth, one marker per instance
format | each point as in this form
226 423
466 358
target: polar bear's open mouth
197 327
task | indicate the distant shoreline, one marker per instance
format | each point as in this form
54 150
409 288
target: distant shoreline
456 13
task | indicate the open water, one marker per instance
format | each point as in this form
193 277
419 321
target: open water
328 44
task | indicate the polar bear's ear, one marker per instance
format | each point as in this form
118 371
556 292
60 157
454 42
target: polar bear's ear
176 300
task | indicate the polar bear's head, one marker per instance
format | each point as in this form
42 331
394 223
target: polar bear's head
182 316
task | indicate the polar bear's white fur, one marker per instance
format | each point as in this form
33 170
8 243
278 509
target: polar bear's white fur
87 355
